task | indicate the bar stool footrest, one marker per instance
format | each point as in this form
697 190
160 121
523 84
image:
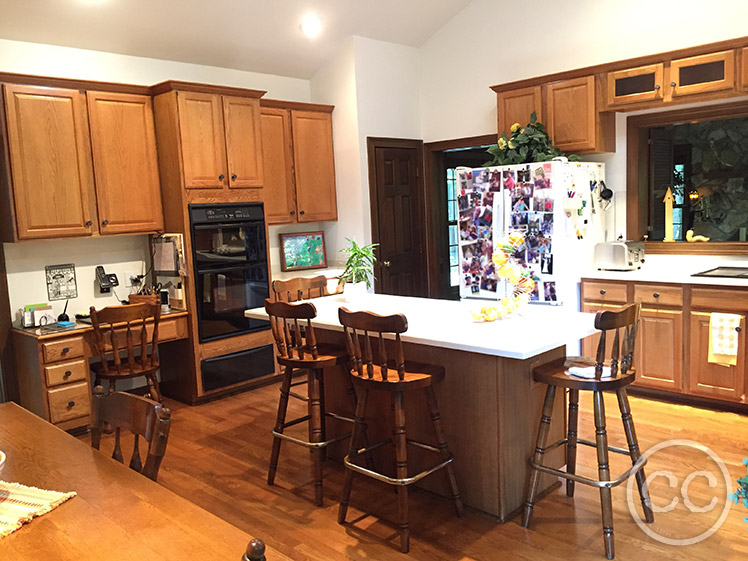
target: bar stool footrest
638 465
586 443
306 443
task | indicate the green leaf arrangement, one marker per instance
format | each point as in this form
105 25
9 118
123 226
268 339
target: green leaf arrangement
525 145
360 264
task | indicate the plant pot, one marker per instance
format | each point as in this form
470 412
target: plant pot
354 289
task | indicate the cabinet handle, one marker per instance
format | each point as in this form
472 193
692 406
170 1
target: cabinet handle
656 294
657 86
105 222
89 223
738 329
71 404
293 212
301 212
602 292
65 350
233 177
673 84
220 177
386 263
67 374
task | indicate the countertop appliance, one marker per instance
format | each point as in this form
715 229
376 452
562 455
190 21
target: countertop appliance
622 255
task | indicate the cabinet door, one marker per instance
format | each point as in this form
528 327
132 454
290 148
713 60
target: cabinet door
516 106
714 380
241 116
50 162
659 349
203 145
314 166
589 344
572 114
705 73
277 162
635 84
123 143
744 72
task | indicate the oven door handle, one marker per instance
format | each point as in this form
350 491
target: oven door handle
237 224
219 270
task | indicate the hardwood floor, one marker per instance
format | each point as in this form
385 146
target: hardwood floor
218 454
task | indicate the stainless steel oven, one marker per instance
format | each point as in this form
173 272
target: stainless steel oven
229 253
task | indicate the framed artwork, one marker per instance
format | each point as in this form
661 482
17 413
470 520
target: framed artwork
303 250
61 283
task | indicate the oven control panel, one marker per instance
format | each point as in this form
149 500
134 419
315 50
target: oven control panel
201 214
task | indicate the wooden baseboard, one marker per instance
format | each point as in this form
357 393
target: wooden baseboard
692 400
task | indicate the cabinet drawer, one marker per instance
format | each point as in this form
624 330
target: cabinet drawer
719 299
69 402
62 349
658 295
604 292
66 372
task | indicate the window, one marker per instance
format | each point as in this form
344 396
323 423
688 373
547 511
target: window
454 254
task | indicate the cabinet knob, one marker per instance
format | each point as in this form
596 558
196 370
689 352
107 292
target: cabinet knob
67 374
673 84
293 212
738 329
657 86
104 222
234 176
71 404
656 294
602 292
65 350
220 177
301 212
89 223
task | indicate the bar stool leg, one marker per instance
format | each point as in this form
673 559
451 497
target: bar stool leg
401 471
153 387
321 379
281 419
628 427
571 446
351 391
545 424
358 426
444 449
603 472
315 431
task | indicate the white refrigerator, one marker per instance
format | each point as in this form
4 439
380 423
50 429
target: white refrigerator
559 208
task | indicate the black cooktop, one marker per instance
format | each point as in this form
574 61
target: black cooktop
725 272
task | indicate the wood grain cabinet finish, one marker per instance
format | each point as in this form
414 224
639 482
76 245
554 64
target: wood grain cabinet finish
744 69
635 85
221 141
659 349
123 143
572 114
314 166
516 106
279 191
50 161
700 74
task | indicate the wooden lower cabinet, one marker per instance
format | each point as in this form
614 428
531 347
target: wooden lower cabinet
713 380
658 355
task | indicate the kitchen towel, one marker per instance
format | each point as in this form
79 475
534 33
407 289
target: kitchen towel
723 339
588 372
19 504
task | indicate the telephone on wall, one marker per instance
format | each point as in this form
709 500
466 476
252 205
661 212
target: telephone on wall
106 280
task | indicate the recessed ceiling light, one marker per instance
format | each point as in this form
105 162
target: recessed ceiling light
311 25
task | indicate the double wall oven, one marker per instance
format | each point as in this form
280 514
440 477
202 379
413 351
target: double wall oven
229 254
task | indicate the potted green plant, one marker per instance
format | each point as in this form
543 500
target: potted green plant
527 144
359 267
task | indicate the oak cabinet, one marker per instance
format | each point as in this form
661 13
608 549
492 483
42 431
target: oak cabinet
50 162
714 380
633 85
659 349
704 73
297 150
744 70
123 143
516 106
220 140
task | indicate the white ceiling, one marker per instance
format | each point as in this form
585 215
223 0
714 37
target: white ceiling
255 35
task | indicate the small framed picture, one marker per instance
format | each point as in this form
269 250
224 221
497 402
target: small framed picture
303 250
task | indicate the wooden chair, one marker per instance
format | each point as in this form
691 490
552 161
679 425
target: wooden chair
142 417
396 377
120 329
293 331
300 288
556 374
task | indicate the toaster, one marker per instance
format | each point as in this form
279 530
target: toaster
619 256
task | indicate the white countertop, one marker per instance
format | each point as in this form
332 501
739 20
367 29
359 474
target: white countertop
449 324
680 275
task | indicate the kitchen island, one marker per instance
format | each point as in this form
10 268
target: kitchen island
489 403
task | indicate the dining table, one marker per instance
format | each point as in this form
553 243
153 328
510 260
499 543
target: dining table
117 513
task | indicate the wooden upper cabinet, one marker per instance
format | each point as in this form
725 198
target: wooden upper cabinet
243 141
516 106
314 166
202 140
50 162
277 158
744 70
572 115
125 163
705 73
634 85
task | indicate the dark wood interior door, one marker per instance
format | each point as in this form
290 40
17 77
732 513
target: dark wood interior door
398 223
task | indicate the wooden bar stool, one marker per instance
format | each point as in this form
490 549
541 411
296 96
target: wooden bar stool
300 288
556 374
403 378
293 331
